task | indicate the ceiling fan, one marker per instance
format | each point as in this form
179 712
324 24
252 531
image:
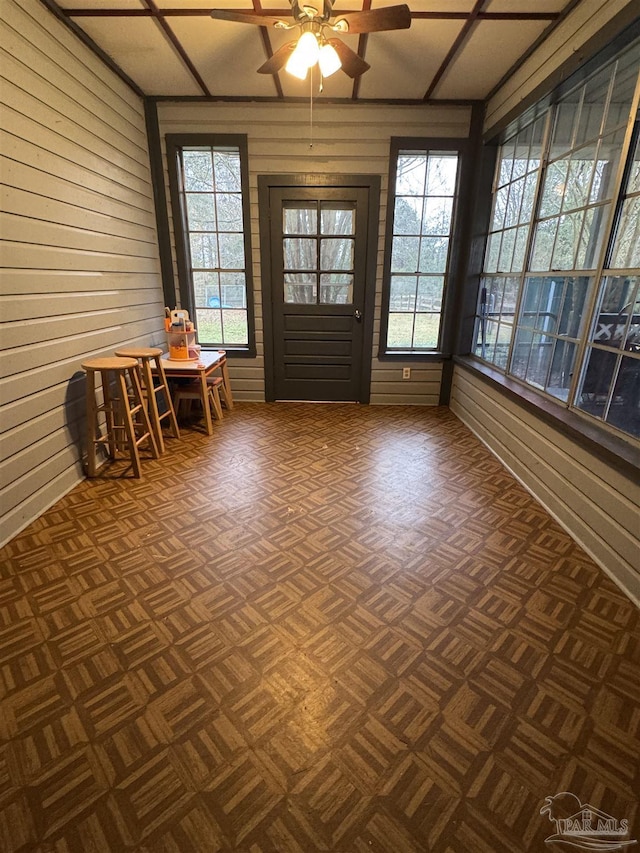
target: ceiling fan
316 41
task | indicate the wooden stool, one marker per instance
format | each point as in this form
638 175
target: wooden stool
193 391
147 355
120 410
224 393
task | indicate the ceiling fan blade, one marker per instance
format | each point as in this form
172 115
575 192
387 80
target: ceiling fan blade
248 18
374 20
352 64
278 60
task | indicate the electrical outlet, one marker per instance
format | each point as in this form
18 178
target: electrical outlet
406 373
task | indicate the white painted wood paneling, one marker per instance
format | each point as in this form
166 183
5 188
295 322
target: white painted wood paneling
596 504
347 139
576 29
81 270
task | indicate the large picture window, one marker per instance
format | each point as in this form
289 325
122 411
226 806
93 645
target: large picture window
558 303
423 193
209 199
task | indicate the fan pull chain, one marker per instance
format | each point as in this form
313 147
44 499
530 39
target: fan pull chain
311 108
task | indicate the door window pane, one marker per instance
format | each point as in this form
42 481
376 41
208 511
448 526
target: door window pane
300 288
336 289
337 220
336 254
300 254
299 220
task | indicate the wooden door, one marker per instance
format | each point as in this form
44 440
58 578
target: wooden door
318 245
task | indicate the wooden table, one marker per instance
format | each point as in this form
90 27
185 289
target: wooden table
208 363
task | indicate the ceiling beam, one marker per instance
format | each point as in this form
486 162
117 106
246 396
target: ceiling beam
362 48
175 42
286 13
455 47
268 47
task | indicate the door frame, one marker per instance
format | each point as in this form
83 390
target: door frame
372 184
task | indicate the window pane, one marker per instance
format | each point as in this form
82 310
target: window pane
519 249
233 290
336 289
206 289
562 368
300 254
553 188
441 175
433 254
514 201
634 170
402 294
623 88
204 250
300 288
227 170
624 411
564 251
579 175
300 220
411 173
404 254
506 250
436 218
209 325
626 252
234 327
400 331
543 243
229 210
503 342
539 360
231 251
197 170
596 383
407 216
337 220
430 289
336 253
201 211
493 252
426 330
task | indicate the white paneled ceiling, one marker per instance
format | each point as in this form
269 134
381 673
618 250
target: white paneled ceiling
454 50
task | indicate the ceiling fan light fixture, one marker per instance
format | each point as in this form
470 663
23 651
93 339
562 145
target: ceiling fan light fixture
297 66
307 49
328 60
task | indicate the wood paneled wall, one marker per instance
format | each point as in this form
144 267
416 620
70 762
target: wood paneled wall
347 139
598 506
79 248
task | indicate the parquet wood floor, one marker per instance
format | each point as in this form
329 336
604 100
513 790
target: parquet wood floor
325 628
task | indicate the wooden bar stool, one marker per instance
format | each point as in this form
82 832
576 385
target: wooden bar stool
145 356
121 410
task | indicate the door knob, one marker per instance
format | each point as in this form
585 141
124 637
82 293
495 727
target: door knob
358 315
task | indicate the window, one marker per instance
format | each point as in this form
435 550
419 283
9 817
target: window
423 192
209 196
558 303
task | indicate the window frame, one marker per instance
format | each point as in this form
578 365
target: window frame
175 142
459 146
